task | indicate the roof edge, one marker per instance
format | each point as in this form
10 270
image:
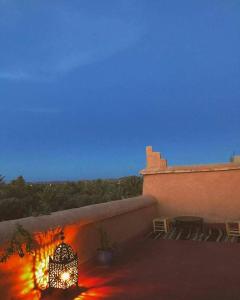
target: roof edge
192 169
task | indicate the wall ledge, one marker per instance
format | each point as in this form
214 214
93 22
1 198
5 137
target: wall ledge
82 216
192 169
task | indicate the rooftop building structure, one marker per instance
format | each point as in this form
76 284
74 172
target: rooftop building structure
145 268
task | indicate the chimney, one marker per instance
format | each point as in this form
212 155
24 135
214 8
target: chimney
235 159
154 160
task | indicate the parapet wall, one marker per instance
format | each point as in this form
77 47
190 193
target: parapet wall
123 220
209 191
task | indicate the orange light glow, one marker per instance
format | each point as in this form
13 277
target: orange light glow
25 277
99 287
65 276
48 244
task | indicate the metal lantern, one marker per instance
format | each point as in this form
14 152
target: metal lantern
63 267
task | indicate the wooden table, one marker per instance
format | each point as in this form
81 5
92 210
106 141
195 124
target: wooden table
189 222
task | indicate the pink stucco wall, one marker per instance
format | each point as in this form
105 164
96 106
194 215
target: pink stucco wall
213 194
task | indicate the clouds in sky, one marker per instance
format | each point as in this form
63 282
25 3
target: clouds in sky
44 41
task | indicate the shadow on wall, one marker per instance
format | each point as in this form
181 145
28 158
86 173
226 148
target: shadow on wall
27 276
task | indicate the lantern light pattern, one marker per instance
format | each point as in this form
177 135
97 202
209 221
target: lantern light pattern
63 267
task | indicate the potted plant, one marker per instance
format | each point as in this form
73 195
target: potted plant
105 252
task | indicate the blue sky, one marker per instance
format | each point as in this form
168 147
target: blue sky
86 85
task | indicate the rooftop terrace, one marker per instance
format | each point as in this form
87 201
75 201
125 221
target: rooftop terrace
166 270
145 268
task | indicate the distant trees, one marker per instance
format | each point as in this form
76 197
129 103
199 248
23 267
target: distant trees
19 199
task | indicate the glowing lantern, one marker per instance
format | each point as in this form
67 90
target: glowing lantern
63 267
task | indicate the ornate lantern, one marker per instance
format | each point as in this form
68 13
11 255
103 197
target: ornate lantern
63 267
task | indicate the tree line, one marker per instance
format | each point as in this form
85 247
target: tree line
19 199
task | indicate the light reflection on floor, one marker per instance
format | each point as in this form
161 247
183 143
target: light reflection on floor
99 287
91 288
170 270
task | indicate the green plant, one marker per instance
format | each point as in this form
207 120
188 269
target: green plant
21 243
105 242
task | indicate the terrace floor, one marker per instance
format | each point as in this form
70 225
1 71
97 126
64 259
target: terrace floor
166 270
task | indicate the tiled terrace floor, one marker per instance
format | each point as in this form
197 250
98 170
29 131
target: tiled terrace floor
167 270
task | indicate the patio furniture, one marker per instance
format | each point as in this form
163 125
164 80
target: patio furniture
233 228
189 222
161 224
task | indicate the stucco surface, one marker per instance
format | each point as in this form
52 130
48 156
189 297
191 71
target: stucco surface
81 216
123 220
213 194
